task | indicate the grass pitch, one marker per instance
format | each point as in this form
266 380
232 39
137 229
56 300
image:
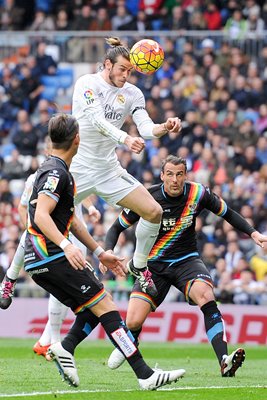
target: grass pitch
23 375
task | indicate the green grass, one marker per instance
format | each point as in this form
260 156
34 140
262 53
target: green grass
22 374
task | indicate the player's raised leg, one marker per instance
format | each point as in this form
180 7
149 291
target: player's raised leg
141 202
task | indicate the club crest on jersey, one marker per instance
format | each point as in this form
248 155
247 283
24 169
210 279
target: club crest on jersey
51 183
121 99
89 96
192 207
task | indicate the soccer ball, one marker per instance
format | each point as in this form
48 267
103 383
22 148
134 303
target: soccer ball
146 56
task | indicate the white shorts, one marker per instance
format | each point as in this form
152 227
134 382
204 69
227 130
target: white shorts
111 186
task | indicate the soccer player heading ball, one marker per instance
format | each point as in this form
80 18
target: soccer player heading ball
101 103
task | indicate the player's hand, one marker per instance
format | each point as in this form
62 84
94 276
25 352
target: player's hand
103 269
173 124
75 257
135 144
94 214
259 239
112 262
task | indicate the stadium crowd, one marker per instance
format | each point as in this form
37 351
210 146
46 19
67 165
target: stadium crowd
217 89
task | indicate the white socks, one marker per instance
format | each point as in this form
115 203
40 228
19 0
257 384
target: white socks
18 260
56 315
146 234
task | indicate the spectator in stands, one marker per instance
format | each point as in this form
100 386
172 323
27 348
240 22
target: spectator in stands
209 255
245 289
5 194
26 140
132 166
262 63
7 113
212 16
255 22
249 160
16 94
256 95
236 26
191 81
101 22
13 168
224 168
258 263
120 19
151 8
261 122
219 94
5 77
22 117
62 22
138 23
250 7
240 266
197 22
222 58
31 87
202 238
42 22
46 64
78 49
232 255
42 126
216 273
147 178
241 92
177 21
11 16
261 149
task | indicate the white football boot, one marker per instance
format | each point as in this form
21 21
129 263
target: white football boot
65 363
232 362
160 378
116 359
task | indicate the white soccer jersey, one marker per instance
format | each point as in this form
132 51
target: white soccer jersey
101 110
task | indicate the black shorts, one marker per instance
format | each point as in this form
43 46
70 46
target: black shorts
75 288
181 275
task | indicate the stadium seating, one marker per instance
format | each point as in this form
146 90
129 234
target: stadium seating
64 77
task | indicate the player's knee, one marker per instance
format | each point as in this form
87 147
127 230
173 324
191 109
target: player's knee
134 324
205 297
153 213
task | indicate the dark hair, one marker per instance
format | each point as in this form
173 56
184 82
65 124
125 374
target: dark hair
116 49
173 160
62 129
